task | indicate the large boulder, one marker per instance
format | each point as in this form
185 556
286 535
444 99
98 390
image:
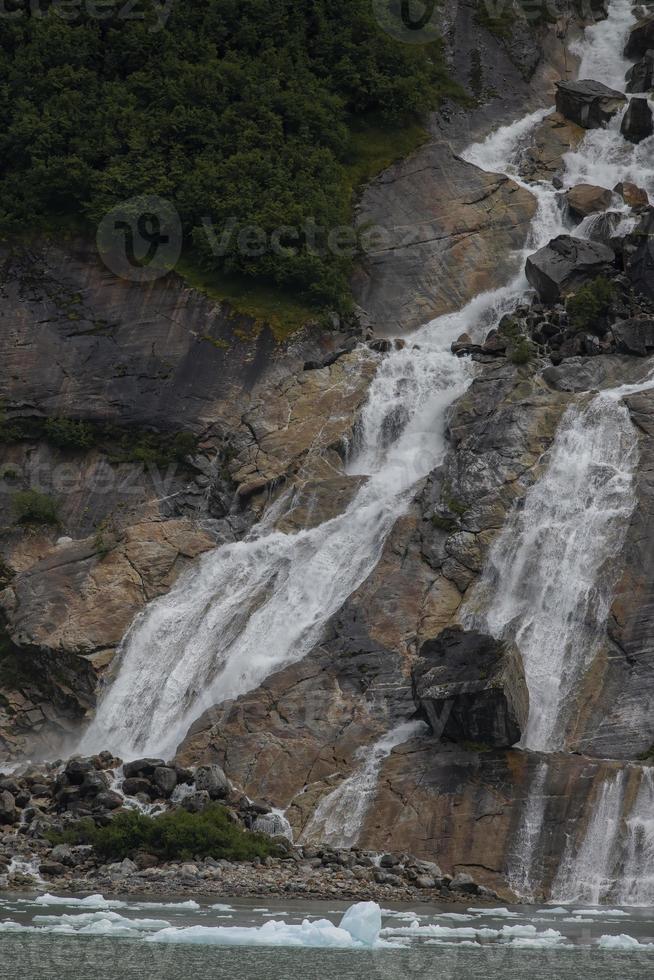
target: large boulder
640 267
472 687
549 142
634 336
641 39
588 103
640 78
638 123
635 197
212 780
565 264
142 767
8 811
585 199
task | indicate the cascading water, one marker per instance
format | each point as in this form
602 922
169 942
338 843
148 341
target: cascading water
338 819
245 610
548 580
525 850
636 882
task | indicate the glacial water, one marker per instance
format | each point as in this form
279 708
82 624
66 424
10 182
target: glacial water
123 937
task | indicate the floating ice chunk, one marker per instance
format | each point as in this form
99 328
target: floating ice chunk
623 942
222 908
502 913
91 918
363 922
522 930
542 939
600 913
402 916
191 906
559 910
454 916
359 928
441 932
98 902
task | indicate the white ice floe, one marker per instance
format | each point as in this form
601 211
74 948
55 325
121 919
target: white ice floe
97 902
84 919
541 940
623 942
502 913
190 906
600 913
222 908
359 928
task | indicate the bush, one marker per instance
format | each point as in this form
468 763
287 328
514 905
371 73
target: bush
174 836
32 507
69 433
587 309
521 352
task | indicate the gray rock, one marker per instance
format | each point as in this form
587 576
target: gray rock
196 801
588 103
640 78
565 264
424 881
108 801
463 882
136 785
77 769
640 268
8 811
471 687
638 122
63 854
641 38
213 780
634 336
585 199
165 779
142 767
95 782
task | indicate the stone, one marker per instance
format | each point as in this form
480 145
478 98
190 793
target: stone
638 122
213 780
165 779
463 882
640 77
63 854
635 336
471 687
95 782
423 881
550 141
561 267
8 811
109 801
588 103
641 38
585 199
640 266
196 802
636 197
77 769
135 785
142 767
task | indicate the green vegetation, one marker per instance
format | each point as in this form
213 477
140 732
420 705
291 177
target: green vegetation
590 304
32 507
251 114
175 835
520 349
120 445
444 523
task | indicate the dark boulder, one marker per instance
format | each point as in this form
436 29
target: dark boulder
109 800
603 228
95 782
588 103
77 769
638 123
196 802
471 687
641 39
640 267
212 779
565 264
635 336
142 767
640 78
8 811
137 784
165 779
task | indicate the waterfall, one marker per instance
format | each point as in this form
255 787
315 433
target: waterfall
548 580
636 882
523 857
339 817
248 609
587 874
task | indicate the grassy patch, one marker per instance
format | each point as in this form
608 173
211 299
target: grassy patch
32 507
174 836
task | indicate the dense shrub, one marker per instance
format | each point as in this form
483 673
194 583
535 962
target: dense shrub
32 507
175 835
587 309
69 433
235 109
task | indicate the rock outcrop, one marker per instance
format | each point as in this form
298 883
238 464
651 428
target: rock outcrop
585 199
634 336
638 122
552 139
587 103
471 687
640 263
640 77
641 38
564 265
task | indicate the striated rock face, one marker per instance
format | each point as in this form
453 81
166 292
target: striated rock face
449 230
471 687
634 336
564 265
588 103
555 136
